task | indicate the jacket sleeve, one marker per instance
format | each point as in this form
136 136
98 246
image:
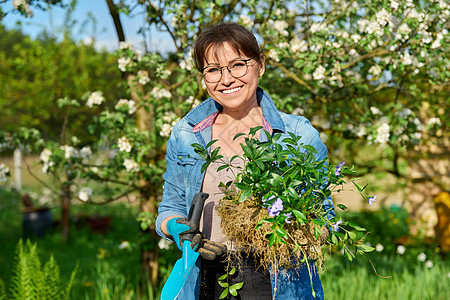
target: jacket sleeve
174 193
311 137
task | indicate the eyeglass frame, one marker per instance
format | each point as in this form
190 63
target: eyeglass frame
229 71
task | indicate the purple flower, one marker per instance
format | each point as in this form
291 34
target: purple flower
288 216
276 208
372 200
339 168
336 226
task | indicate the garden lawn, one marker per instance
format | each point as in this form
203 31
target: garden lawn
110 271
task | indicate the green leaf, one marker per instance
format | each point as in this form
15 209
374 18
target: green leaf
334 239
224 294
310 148
342 206
356 226
365 248
223 284
232 271
300 216
352 235
245 194
223 277
238 135
222 167
209 144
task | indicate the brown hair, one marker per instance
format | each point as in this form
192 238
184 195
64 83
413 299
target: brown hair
239 38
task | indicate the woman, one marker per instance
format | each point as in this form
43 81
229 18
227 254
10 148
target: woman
229 57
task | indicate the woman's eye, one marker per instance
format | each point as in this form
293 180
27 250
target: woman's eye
212 70
239 64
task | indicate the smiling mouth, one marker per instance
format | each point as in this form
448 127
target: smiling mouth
230 91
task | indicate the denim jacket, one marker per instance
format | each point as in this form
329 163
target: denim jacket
183 179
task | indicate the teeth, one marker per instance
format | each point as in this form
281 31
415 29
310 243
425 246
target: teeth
231 91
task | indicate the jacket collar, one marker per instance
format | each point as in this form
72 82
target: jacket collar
210 107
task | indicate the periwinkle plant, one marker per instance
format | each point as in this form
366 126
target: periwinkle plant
291 191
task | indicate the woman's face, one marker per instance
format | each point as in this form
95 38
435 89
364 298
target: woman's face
234 94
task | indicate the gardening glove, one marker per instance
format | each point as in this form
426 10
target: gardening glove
208 250
178 228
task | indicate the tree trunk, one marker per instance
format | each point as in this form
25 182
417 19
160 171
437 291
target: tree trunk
65 208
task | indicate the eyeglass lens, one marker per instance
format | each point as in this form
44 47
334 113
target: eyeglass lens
237 69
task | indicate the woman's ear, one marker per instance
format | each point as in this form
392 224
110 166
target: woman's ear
262 66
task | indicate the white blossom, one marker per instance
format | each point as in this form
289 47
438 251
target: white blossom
85 194
353 52
138 55
401 249
69 152
164 244
126 103
125 45
422 257
383 17
355 37
317 27
394 4
45 155
165 130
246 21
383 134
18 3
437 43
130 165
406 59
433 121
429 264
85 152
379 247
4 170
123 63
280 26
95 98
298 45
404 113
124 245
319 73
160 93
361 131
375 110
273 55
124 144
375 70
143 77
316 48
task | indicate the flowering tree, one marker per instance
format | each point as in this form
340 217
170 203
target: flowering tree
364 69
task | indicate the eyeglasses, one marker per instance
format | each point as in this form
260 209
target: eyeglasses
237 68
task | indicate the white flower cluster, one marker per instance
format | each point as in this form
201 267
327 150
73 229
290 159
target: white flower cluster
70 152
280 26
192 101
319 73
45 157
160 93
169 119
375 70
130 165
95 98
273 55
143 77
298 45
123 63
434 121
439 37
86 152
126 103
188 62
124 144
125 46
383 134
18 3
4 170
246 21
85 194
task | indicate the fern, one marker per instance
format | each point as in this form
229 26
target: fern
2 290
51 289
31 282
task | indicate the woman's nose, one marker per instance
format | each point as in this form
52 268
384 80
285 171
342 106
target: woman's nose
227 79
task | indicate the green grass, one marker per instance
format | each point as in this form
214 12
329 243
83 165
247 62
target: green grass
107 272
